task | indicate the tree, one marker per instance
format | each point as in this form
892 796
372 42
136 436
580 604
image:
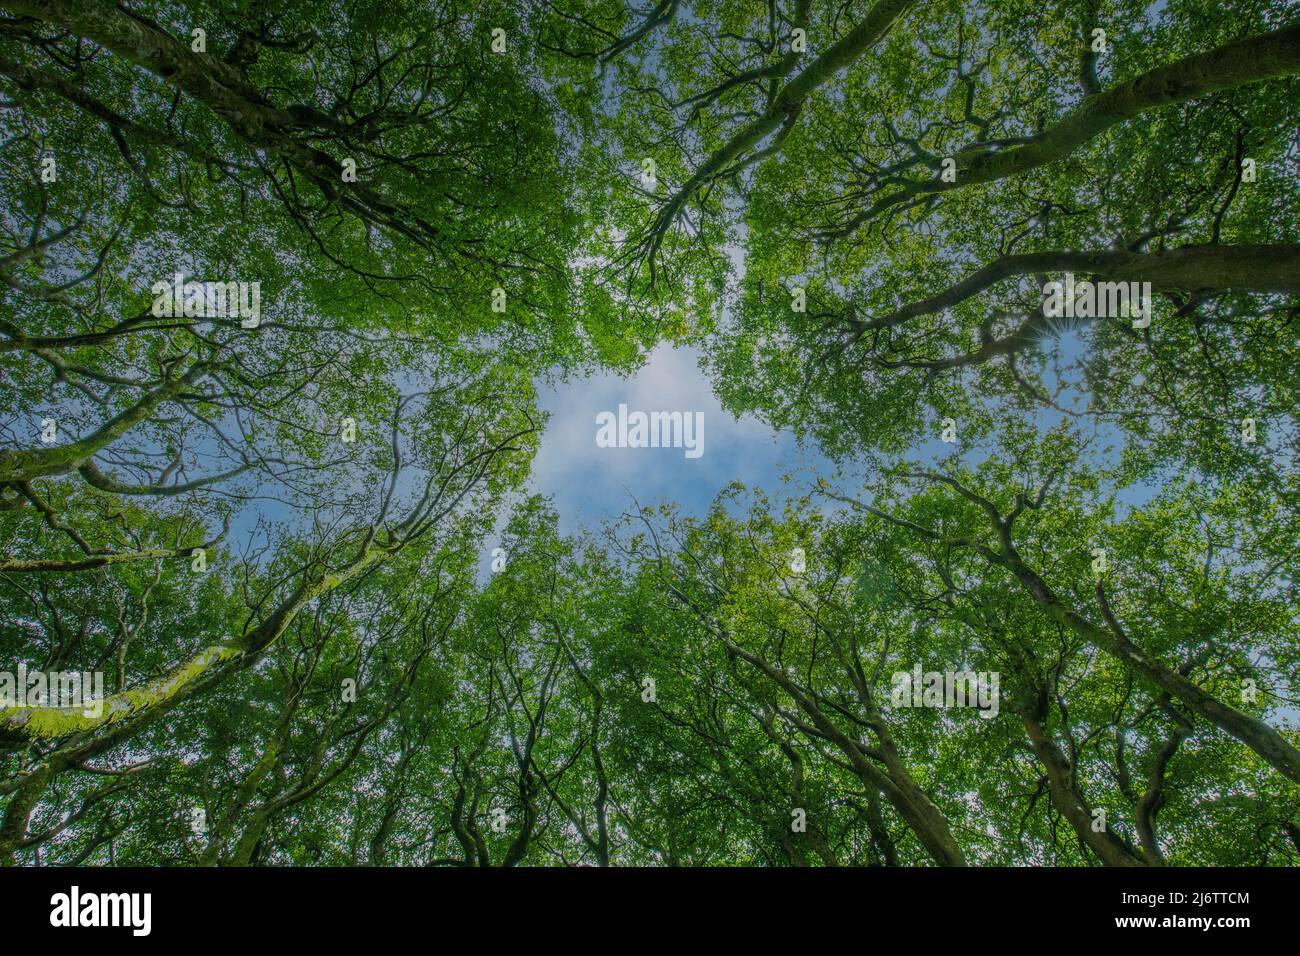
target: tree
278 289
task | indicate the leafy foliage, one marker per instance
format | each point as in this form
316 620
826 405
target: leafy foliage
269 536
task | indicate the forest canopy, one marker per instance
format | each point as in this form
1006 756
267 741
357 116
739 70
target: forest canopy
280 283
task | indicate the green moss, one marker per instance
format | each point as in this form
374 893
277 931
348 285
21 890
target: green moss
48 723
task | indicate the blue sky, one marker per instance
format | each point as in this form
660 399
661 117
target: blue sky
588 483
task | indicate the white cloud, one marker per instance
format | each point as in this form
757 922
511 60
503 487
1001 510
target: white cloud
591 483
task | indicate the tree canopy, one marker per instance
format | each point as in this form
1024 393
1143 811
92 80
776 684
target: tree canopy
279 284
